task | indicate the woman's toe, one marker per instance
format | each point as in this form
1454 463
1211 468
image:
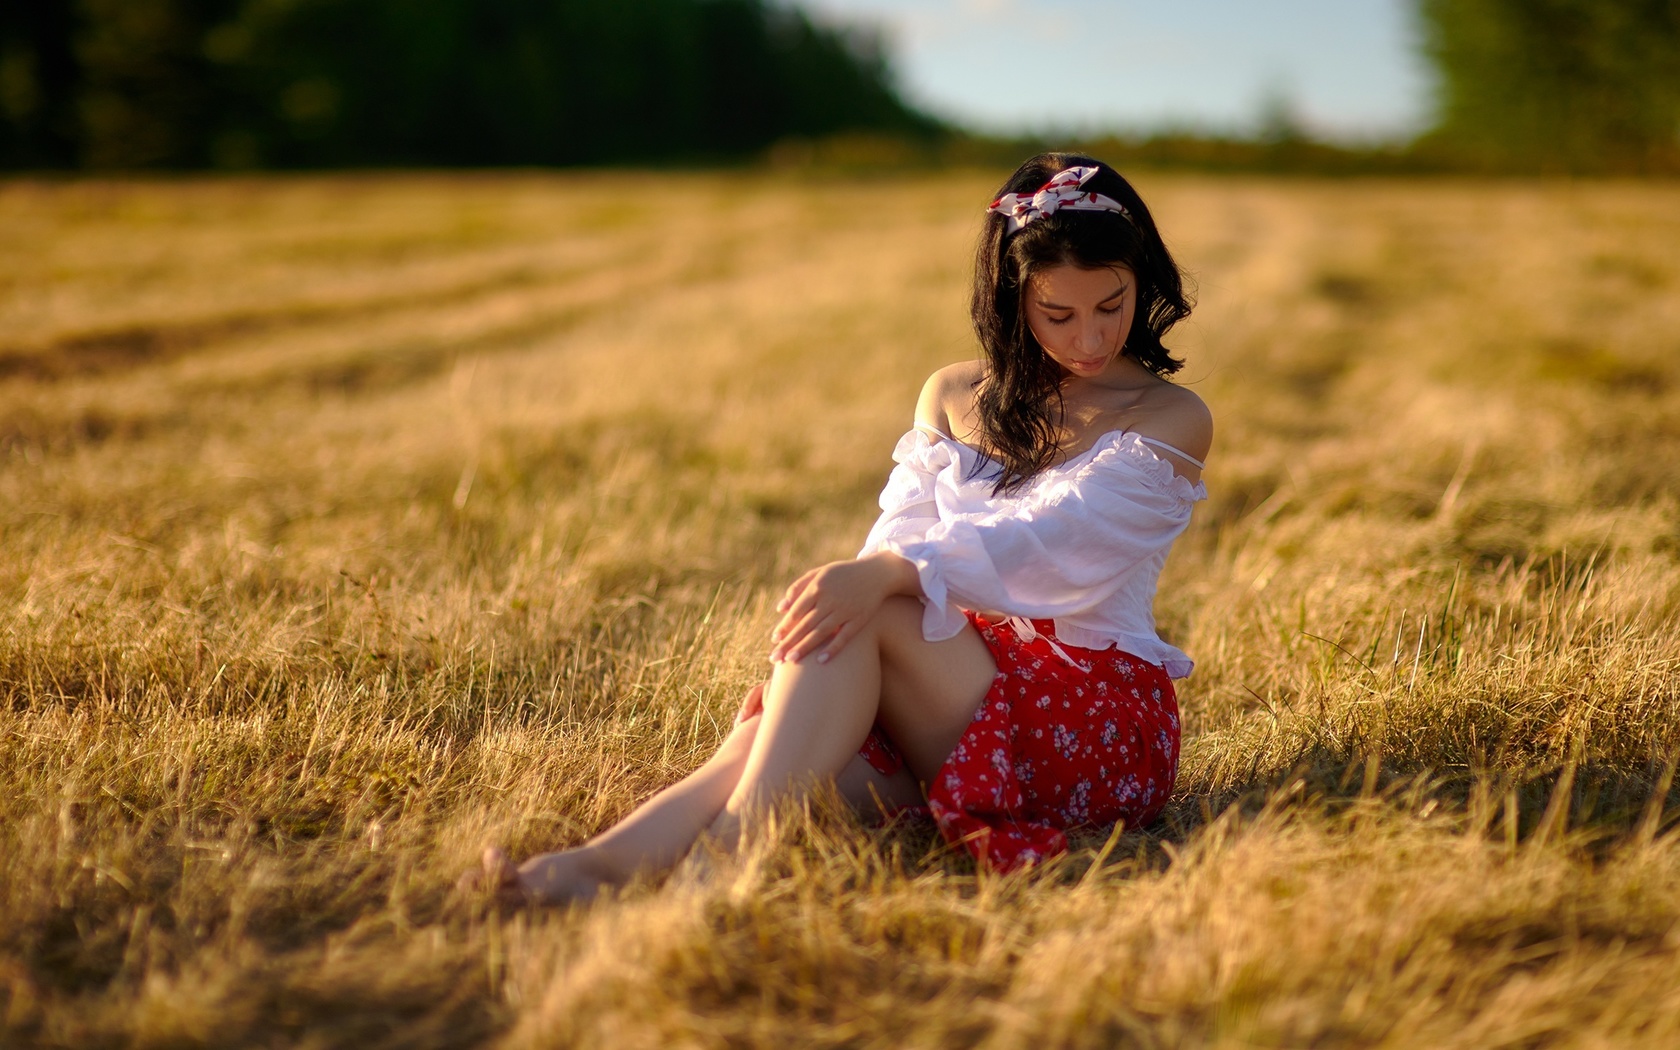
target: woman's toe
495 872
502 876
498 869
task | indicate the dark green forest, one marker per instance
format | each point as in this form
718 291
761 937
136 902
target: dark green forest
1555 85
186 84
1568 86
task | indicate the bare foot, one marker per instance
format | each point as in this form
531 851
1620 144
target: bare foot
570 876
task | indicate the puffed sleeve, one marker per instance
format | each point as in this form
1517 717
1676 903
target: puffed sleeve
1061 546
908 503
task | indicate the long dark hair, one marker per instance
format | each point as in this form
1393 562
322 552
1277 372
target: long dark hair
1019 400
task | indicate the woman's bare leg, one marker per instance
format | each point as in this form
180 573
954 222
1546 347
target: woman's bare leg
815 718
816 715
652 838
666 826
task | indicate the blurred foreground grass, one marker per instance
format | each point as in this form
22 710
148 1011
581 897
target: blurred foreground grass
351 522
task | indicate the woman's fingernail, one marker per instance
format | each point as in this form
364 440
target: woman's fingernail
822 658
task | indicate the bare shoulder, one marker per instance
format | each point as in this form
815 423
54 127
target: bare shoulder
948 394
1179 417
1189 418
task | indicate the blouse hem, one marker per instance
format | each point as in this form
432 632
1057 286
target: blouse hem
942 619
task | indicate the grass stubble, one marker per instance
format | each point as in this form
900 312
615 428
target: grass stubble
351 522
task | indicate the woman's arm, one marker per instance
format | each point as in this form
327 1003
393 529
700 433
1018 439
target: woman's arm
824 608
827 606
908 504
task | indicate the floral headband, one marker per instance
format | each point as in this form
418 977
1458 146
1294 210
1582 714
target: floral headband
1062 191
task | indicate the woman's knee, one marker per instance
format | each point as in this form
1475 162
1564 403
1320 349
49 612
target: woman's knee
898 617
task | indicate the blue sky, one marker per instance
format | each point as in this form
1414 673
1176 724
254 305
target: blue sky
1348 68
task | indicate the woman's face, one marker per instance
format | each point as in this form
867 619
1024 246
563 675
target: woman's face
1081 317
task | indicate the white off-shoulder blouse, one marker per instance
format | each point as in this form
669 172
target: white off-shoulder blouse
1081 543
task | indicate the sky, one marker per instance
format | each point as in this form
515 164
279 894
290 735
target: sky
1347 69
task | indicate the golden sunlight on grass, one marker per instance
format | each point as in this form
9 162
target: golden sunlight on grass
353 521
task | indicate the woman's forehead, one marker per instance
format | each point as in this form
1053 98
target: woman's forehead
1068 278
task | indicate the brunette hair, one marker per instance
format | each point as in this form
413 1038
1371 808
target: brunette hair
1019 399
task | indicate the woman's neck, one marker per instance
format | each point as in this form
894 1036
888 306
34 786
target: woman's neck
1122 374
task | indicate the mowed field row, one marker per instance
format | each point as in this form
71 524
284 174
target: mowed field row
352 522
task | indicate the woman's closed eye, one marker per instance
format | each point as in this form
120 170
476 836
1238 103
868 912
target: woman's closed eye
1106 310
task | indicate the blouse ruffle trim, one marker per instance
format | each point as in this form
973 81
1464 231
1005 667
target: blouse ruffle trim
1117 449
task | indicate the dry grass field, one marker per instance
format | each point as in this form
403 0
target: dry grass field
352 522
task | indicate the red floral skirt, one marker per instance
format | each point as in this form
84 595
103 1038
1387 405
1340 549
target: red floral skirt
1066 736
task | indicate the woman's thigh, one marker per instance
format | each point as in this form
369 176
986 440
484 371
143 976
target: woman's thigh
929 690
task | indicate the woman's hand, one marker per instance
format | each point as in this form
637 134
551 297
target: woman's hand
752 705
826 607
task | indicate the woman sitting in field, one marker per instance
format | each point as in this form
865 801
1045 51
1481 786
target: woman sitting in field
991 652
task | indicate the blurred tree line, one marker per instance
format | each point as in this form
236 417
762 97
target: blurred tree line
1523 85
307 83
1556 85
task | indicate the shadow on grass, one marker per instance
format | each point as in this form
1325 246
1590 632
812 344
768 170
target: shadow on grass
1599 807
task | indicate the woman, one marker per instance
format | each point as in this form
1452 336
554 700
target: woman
991 651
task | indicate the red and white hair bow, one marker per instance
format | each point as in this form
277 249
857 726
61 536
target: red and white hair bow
1063 191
